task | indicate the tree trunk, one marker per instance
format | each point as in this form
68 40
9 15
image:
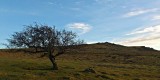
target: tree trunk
36 49
52 59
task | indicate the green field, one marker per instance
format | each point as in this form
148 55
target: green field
123 63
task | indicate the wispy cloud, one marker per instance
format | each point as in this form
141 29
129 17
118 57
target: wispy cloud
75 9
156 17
102 1
139 12
83 27
138 39
51 3
148 36
12 11
151 29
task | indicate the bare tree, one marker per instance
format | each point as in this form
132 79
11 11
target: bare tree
44 39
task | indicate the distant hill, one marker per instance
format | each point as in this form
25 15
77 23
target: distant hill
110 52
144 48
112 48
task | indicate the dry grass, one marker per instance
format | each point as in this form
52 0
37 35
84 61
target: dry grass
111 62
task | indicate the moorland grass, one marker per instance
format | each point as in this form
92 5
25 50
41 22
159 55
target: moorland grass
29 68
109 61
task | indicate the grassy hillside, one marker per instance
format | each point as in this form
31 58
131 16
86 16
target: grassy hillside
109 61
112 53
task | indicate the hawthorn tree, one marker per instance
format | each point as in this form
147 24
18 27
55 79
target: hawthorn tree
46 39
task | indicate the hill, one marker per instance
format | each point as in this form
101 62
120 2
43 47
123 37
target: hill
109 52
100 61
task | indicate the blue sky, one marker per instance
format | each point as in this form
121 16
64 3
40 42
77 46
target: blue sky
126 22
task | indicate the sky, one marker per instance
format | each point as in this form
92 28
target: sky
125 22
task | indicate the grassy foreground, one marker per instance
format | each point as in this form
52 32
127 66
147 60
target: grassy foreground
25 67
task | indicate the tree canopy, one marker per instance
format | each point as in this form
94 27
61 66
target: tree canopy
45 39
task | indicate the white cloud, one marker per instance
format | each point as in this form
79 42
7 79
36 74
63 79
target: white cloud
83 27
137 39
149 36
156 17
152 29
154 43
92 42
139 12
